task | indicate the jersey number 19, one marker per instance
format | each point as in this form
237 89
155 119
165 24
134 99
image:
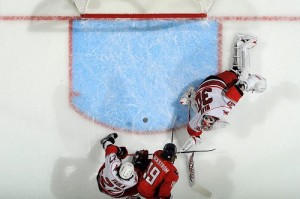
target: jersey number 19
151 173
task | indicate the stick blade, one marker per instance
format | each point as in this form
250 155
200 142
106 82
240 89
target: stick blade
201 190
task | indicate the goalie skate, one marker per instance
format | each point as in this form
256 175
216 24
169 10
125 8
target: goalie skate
246 41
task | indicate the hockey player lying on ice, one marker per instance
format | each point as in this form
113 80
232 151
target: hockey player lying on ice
218 94
115 178
153 178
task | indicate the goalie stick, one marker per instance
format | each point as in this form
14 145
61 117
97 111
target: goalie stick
179 152
191 166
197 151
173 128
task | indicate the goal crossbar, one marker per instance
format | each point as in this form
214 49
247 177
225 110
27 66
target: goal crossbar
145 9
146 16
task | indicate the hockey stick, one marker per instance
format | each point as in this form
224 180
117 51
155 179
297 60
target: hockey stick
189 111
193 184
191 157
173 128
202 190
191 170
197 151
191 166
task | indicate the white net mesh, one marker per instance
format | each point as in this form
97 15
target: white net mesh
143 6
81 5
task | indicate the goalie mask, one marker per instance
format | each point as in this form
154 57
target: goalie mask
126 171
207 122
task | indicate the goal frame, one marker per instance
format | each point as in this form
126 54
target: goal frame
84 8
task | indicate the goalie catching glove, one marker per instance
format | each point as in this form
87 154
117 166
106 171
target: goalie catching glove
188 96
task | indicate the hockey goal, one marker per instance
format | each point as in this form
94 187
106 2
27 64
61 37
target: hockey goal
143 8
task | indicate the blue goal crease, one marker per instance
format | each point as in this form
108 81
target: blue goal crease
128 70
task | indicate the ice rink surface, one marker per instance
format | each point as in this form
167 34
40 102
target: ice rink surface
47 150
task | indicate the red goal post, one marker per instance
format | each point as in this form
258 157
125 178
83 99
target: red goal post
143 9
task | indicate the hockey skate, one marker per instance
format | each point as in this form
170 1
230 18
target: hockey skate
246 41
110 138
188 96
255 83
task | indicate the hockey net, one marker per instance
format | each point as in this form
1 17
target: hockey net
143 8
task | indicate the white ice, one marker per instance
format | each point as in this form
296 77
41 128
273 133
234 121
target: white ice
49 151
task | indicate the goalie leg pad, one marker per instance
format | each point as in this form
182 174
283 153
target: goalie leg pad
241 58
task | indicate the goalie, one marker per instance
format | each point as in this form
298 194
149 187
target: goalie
218 94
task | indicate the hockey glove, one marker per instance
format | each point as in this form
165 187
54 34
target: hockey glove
122 152
140 160
188 96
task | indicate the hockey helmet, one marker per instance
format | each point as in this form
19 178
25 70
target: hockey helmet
126 171
207 122
169 152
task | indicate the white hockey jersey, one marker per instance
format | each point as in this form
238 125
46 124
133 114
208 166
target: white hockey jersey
215 99
109 180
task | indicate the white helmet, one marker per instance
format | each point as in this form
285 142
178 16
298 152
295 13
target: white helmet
126 170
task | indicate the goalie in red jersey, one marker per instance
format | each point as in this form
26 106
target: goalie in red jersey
218 94
161 175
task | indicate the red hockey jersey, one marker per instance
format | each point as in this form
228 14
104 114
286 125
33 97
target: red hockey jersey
159 179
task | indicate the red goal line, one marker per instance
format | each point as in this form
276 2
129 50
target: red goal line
255 18
151 16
